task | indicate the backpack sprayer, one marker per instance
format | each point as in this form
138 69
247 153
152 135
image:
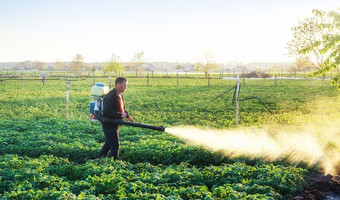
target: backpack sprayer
98 92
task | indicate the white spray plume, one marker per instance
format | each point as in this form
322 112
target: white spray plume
316 142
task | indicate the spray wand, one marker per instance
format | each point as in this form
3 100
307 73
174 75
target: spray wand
121 122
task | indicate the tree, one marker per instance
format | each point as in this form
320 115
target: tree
113 66
26 64
179 67
301 64
17 67
206 64
330 47
58 65
274 69
308 32
93 69
39 65
137 61
77 63
319 36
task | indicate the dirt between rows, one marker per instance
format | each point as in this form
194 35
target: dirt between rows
321 187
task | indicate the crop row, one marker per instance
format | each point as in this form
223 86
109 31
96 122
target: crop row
49 177
50 159
80 141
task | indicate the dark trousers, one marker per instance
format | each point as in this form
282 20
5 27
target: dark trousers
111 141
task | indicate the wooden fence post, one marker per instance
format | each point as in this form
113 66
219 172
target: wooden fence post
22 81
208 76
67 96
147 80
177 80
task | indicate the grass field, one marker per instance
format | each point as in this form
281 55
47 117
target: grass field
44 156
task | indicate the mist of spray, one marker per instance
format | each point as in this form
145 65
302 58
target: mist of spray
317 142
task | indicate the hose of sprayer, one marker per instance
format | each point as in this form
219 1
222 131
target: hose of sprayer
101 118
98 115
121 122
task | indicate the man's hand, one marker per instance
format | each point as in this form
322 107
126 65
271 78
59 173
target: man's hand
124 115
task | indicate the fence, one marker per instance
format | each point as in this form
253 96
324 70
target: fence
170 79
59 75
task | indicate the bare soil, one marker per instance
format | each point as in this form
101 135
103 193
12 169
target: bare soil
321 187
255 74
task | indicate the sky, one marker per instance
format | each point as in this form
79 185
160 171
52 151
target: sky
173 31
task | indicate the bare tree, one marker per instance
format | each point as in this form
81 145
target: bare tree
39 65
137 61
77 63
206 64
302 64
26 64
59 65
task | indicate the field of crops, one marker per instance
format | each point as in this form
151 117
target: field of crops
44 156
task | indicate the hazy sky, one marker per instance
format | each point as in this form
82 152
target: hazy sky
173 30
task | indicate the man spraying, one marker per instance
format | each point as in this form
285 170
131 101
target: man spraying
113 107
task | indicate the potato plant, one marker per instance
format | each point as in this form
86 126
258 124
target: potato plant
44 156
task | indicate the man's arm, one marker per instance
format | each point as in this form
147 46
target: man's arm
127 114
